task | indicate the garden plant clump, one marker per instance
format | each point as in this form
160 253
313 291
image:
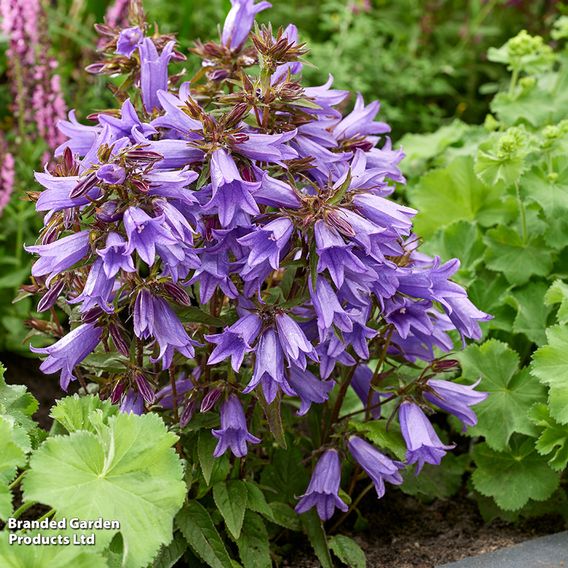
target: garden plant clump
509 224
231 262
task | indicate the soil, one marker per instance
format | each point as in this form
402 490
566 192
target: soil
403 531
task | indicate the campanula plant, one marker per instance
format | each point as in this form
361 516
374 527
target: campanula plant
230 255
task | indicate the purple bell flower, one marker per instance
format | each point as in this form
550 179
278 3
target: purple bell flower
144 233
128 40
322 492
60 255
230 193
378 467
422 442
114 256
97 290
328 309
233 433
153 72
361 384
293 341
455 399
239 22
334 255
132 403
111 173
269 367
69 351
213 273
235 341
268 242
309 388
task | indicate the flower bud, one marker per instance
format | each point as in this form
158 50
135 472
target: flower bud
210 400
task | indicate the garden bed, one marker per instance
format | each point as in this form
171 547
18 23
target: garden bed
403 531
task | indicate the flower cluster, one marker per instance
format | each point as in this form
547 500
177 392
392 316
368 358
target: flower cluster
7 177
237 235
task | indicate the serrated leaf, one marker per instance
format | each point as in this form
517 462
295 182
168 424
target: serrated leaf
558 294
231 501
387 439
285 516
127 472
511 392
348 551
170 554
52 556
453 194
315 532
513 477
553 438
256 501
550 366
205 447
73 412
518 261
198 529
254 546
17 402
532 314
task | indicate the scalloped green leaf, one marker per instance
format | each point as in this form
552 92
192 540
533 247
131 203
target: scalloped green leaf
512 478
52 556
74 412
16 401
127 471
550 366
553 439
558 294
511 392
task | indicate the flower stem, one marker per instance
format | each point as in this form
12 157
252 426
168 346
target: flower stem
23 508
354 505
523 214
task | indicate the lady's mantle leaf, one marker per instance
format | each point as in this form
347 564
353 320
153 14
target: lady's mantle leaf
513 477
550 366
52 556
511 392
553 441
127 471
73 413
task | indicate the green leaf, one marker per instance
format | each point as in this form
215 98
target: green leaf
205 447
52 556
254 546
12 456
73 412
558 294
518 261
487 292
553 438
170 554
274 419
513 477
127 472
193 314
17 402
511 393
439 482
198 529
231 501
256 501
348 551
550 366
313 527
376 431
532 314
285 475
453 194
285 516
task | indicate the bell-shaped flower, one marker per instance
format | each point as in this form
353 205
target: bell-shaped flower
268 242
233 433
309 388
128 41
153 72
455 399
293 341
239 22
323 490
422 443
114 256
69 351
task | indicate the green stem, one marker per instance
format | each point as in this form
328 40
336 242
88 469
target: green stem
514 79
50 513
23 508
17 480
523 213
